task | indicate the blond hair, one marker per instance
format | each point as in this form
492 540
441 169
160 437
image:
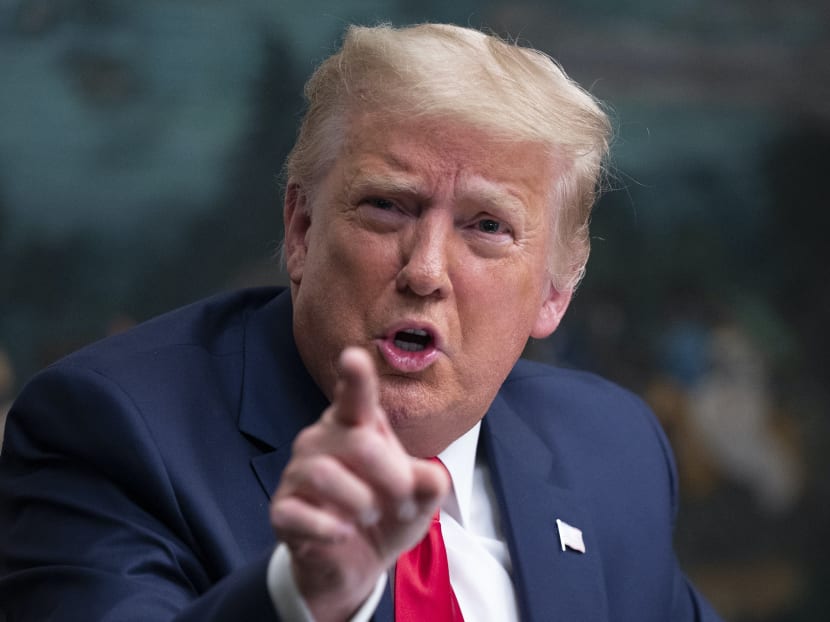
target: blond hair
436 70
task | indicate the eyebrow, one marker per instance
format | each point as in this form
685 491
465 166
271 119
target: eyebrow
489 194
385 184
476 190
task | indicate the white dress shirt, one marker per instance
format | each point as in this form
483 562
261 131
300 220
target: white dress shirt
477 554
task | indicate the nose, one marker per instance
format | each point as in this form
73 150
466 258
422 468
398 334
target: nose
425 269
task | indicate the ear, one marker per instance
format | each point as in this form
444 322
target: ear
550 314
296 221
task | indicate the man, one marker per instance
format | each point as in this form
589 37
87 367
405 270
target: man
436 215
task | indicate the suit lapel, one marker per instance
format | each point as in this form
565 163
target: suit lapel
551 584
278 396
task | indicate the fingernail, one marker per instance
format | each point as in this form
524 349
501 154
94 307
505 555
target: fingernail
369 517
407 510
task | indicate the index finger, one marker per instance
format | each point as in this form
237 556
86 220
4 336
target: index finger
356 398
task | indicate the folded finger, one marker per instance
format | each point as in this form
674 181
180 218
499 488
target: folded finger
298 522
326 482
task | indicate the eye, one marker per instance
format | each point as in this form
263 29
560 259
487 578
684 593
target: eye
380 203
488 225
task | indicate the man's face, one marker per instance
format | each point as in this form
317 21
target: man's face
427 244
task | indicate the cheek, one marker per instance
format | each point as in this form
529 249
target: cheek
501 317
500 290
361 256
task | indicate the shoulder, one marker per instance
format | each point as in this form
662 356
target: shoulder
213 325
187 361
594 426
573 394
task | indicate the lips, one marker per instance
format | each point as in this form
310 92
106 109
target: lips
410 348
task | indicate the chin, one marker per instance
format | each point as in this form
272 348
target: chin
406 398
402 416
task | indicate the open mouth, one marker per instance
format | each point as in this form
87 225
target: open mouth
412 339
410 349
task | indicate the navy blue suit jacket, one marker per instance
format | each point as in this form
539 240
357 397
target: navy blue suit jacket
136 475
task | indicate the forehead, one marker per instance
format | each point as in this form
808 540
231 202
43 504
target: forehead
420 154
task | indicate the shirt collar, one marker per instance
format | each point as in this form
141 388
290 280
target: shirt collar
460 459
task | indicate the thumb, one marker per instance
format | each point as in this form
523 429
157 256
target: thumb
432 483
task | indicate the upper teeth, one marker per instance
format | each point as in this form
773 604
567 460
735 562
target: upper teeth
416 331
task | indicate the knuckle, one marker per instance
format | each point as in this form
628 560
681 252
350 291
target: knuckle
307 441
383 466
319 472
366 450
280 513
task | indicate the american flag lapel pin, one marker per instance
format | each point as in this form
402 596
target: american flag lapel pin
570 537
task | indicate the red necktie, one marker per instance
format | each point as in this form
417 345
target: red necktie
422 581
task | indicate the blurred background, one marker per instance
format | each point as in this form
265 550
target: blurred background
140 149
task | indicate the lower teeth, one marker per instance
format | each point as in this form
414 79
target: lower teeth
408 345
